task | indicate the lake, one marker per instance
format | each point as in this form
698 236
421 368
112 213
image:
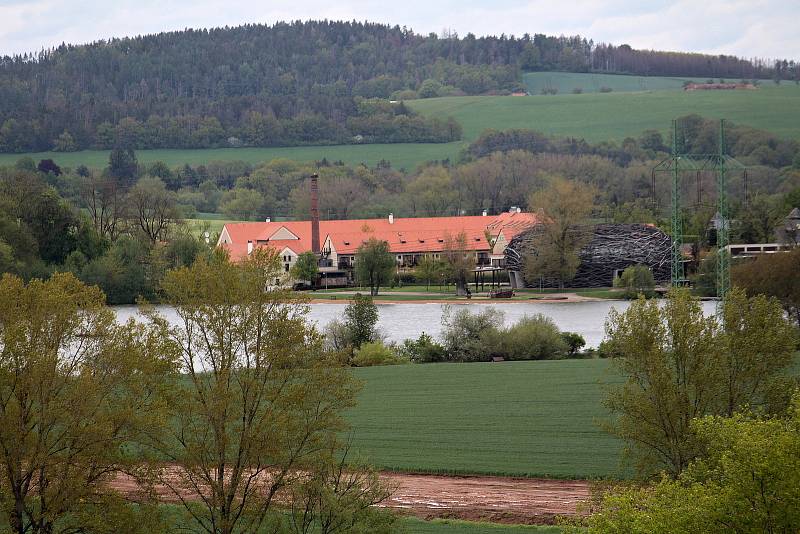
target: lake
409 320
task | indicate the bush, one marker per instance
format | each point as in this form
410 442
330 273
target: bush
636 280
423 350
532 338
574 341
376 353
605 89
478 337
577 90
549 90
471 337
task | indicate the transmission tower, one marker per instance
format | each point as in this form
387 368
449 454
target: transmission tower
721 165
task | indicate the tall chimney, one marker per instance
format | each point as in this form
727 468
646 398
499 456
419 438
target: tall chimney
315 248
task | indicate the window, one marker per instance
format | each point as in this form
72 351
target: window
287 267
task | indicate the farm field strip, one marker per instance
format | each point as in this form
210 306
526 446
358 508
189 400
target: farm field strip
614 116
400 155
530 419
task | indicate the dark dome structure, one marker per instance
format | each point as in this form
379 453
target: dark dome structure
610 249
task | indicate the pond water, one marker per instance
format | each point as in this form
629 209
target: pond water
409 320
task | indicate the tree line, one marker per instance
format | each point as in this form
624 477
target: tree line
292 83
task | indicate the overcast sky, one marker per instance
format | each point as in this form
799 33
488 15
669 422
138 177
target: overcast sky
749 28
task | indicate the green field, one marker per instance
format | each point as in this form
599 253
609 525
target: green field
613 116
512 418
565 82
406 155
417 526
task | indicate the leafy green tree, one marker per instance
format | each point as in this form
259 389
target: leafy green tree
306 267
747 481
122 165
774 275
680 365
76 390
65 143
361 317
262 403
429 270
375 264
565 204
242 204
636 280
757 344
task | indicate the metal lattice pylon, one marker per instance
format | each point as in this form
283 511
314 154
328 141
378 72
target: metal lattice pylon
679 163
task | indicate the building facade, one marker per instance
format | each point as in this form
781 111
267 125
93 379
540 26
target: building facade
409 239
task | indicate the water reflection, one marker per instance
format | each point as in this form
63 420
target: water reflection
409 320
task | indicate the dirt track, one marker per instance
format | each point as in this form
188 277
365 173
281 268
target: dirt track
495 499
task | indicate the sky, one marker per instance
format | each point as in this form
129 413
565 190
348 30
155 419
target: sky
747 28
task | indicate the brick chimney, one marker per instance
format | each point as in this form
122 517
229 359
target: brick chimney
315 248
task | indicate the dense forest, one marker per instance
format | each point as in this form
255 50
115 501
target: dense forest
292 84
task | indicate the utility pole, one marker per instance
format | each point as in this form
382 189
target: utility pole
723 233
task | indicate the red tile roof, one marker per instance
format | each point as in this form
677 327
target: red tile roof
404 235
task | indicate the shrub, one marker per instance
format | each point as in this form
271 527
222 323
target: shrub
423 350
636 280
532 338
376 353
577 90
469 337
574 341
605 89
361 316
549 90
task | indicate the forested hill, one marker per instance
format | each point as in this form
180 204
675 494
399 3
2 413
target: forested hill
290 84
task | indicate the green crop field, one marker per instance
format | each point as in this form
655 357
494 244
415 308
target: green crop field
614 116
401 155
417 526
566 82
513 418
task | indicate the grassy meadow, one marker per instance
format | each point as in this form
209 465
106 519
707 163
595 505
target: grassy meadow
513 418
401 155
566 82
614 116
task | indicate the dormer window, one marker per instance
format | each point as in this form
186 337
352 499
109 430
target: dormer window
347 242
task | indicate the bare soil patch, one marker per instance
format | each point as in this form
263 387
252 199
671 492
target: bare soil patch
495 499
472 498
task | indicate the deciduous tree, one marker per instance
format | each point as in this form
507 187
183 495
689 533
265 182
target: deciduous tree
375 264
153 208
564 204
262 402
76 389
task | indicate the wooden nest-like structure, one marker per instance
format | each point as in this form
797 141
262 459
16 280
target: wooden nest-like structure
609 249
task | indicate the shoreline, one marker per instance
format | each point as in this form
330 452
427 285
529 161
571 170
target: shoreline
568 298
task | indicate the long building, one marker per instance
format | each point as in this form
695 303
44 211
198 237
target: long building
409 239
